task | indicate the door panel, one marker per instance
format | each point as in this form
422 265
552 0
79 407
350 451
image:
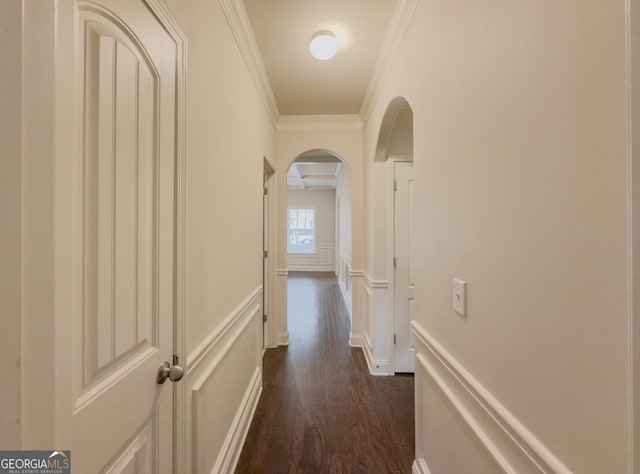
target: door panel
120 202
404 288
123 237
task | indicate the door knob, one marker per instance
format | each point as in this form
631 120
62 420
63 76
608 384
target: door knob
167 371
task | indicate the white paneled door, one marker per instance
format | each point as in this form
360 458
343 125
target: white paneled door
122 173
404 287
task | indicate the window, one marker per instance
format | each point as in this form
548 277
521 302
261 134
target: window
301 231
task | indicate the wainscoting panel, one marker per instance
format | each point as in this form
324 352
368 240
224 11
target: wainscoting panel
377 327
345 281
224 379
321 261
461 427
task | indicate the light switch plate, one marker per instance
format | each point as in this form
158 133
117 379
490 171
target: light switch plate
460 297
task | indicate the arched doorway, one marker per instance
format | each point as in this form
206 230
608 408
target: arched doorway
318 217
395 149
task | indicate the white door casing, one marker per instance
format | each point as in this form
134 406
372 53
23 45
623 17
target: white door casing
404 286
266 265
122 173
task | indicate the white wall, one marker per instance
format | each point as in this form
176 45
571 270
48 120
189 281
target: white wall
520 165
324 203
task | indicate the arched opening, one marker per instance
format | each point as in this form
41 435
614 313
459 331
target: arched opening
318 220
396 131
394 151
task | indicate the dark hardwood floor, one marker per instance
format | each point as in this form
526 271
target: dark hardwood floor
320 410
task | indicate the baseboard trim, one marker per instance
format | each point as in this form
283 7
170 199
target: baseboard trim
376 366
512 446
283 338
355 340
420 467
232 446
294 267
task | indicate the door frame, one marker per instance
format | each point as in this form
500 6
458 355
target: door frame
267 245
180 398
391 215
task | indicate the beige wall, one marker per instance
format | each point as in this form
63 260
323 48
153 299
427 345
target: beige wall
228 135
520 164
10 216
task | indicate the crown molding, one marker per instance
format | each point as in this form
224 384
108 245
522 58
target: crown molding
287 123
402 16
238 21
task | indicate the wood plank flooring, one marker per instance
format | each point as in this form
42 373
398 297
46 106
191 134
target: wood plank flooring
320 410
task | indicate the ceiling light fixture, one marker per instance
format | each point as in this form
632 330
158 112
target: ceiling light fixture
324 45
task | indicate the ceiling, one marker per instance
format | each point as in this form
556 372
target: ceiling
314 170
303 85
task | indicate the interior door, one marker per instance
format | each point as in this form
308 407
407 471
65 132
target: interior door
123 237
404 287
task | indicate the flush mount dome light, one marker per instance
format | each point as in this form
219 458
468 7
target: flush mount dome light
324 45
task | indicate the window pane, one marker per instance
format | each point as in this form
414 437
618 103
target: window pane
301 232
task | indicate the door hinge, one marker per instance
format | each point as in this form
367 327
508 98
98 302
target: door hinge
394 338
264 318
395 263
395 185
265 253
266 191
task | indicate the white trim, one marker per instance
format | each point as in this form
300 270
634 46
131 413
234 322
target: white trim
356 340
288 123
402 16
376 366
634 458
283 272
420 467
232 446
505 437
312 267
205 347
241 28
382 284
283 338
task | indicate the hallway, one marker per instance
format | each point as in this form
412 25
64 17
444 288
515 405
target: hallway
320 409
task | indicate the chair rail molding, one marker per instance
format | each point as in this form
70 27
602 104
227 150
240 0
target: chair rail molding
202 350
513 447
